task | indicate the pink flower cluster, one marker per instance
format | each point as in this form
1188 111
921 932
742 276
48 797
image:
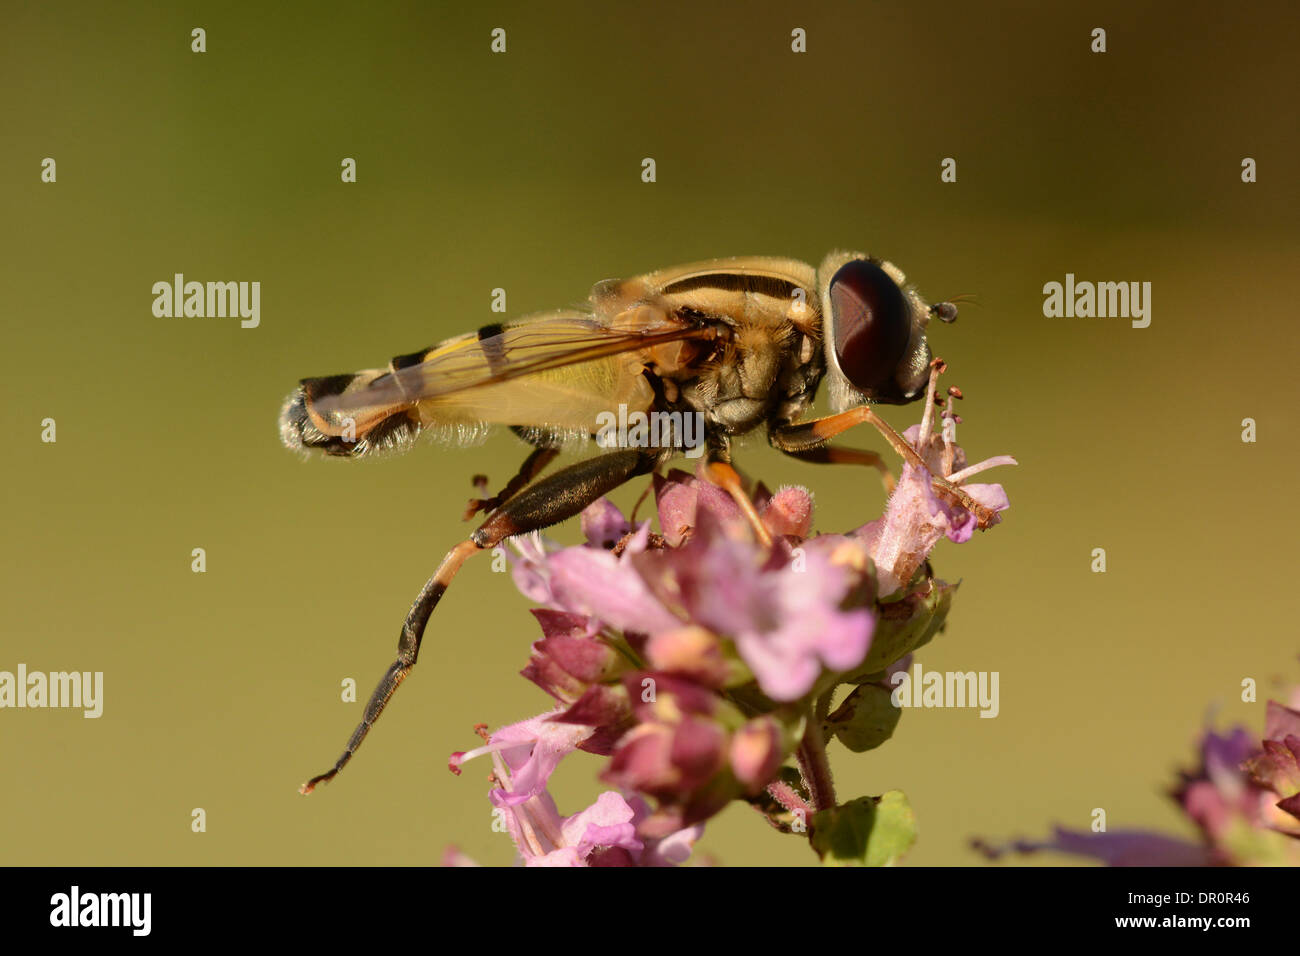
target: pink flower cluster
692 657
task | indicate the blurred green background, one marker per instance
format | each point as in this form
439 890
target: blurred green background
523 171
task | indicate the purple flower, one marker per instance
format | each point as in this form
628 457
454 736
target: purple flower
606 824
693 652
596 583
571 656
789 512
757 751
783 615
693 751
603 525
1276 767
1119 848
692 658
916 518
781 611
682 500
1231 796
671 849
524 757
1216 795
544 838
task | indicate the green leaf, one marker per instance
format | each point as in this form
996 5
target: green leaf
866 719
903 625
869 831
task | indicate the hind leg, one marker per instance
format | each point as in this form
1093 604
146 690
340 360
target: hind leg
540 505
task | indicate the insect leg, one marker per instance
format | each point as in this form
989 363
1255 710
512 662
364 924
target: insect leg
530 469
408 649
824 454
820 430
720 471
540 505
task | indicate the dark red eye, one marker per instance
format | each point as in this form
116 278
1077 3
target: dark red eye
872 325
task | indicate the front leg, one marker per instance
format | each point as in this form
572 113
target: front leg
719 470
816 433
538 506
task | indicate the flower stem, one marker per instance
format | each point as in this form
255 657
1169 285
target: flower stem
813 763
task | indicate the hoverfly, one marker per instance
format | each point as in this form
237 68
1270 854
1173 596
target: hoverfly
740 342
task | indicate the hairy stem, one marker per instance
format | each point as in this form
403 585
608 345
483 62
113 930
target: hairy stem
813 763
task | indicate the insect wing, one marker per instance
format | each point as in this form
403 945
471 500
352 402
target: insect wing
557 370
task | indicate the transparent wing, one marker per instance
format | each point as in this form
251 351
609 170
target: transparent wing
556 370
498 354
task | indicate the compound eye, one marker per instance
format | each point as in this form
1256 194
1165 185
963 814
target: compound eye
872 325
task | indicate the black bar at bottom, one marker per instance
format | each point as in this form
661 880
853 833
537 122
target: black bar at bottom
324 907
